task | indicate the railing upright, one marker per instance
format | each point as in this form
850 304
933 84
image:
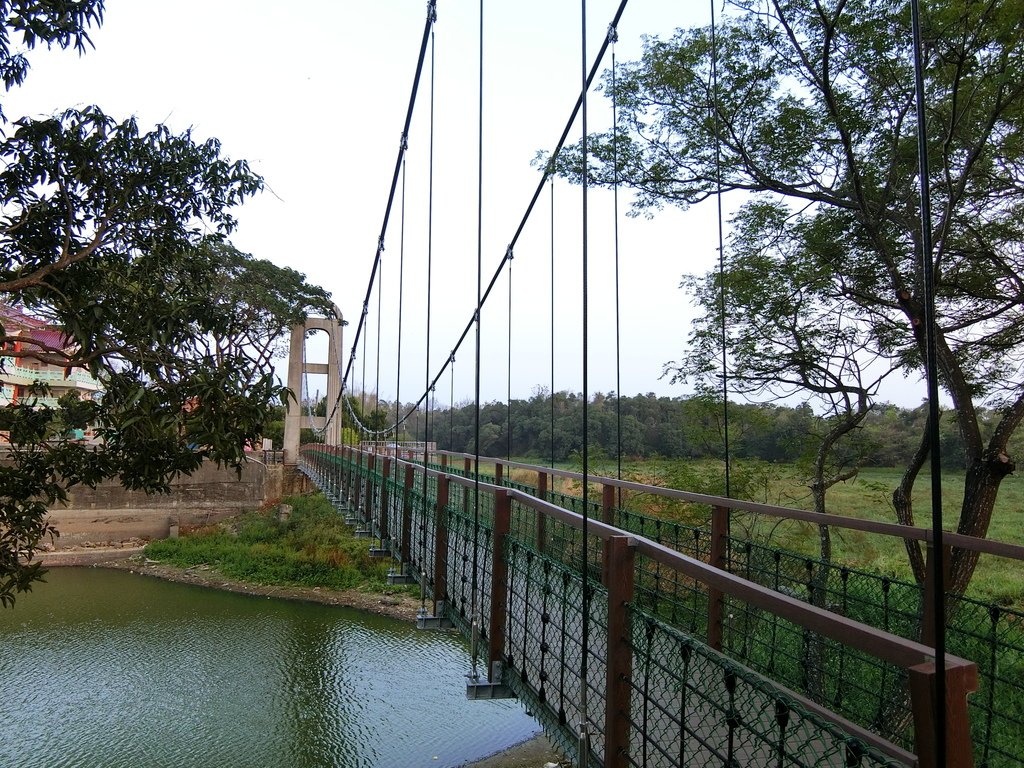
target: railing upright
961 679
356 484
541 518
499 579
385 498
441 544
719 546
928 596
410 480
371 465
607 517
619 581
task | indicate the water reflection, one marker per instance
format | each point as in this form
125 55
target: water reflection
105 668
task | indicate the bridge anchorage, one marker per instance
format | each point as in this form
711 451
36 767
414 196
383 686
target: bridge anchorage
697 654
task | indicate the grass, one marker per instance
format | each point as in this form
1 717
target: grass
996 579
868 497
312 548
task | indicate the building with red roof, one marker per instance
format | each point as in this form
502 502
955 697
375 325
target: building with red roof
23 333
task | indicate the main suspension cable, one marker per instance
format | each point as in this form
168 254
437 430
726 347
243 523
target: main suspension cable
548 172
427 28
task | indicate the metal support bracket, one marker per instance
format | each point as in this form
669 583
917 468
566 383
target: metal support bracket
425 620
401 576
478 688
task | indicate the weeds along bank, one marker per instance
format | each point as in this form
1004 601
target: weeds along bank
867 496
311 548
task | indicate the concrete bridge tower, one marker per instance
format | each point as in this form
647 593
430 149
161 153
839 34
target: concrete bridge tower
297 366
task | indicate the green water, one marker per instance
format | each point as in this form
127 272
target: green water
104 669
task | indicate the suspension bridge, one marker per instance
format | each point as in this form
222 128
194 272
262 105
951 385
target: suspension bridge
636 640
702 647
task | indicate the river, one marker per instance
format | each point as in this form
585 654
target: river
106 669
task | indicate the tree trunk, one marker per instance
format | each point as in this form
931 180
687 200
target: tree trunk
904 506
981 485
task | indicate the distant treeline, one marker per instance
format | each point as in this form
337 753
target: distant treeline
647 426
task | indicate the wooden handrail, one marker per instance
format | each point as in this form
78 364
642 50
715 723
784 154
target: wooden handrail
914 533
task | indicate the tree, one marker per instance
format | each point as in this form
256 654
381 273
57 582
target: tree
61 23
798 339
813 114
115 237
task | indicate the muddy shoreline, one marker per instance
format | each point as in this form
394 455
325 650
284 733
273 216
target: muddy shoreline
534 753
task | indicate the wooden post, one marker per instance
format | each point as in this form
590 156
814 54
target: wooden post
346 467
542 493
371 465
619 575
333 481
441 543
719 528
499 581
928 609
499 473
444 462
384 499
356 485
607 511
608 504
407 515
961 679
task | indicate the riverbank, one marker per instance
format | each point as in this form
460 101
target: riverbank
397 606
534 753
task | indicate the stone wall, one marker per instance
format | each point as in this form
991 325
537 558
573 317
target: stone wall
109 513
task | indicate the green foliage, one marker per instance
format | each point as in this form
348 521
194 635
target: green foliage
60 23
115 236
313 548
810 113
691 427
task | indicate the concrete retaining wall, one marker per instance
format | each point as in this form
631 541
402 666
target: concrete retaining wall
109 513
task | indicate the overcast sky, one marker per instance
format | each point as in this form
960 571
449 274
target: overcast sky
313 94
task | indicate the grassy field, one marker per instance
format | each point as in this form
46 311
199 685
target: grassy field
868 496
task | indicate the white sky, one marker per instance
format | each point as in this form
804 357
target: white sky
313 94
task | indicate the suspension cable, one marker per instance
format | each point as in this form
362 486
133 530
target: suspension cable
432 16
362 383
932 374
401 296
479 285
613 35
584 732
721 252
552 393
427 28
398 360
380 331
508 389
548 172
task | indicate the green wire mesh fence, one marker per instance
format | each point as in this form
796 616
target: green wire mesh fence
451 521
